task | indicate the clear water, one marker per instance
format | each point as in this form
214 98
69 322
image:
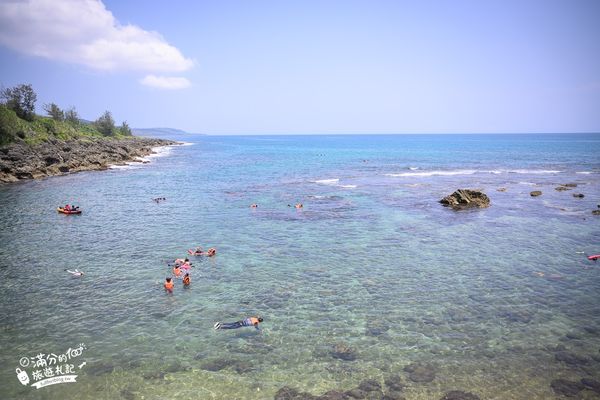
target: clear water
372 261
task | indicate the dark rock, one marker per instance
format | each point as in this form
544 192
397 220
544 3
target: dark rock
578 195
562 188
394 383
502 189
370 385
535 193
459 395
127 394
420 372
573 336
566 388
596 212
356 394
155 375
571 358
518 316
466 198
333 395
287 393
100 369
592 329
377 327
571 185
591 384
343 352
393 396
217 364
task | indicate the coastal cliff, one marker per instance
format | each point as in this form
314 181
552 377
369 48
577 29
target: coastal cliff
19 161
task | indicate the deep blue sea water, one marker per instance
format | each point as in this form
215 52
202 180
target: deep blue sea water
497 302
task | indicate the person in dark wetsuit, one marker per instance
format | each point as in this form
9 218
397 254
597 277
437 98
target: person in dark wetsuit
250 321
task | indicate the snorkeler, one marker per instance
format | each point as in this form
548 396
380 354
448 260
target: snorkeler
250 321
186 280
76 272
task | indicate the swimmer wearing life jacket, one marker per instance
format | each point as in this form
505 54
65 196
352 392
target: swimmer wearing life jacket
177 271
211 252
169 285
299 205
250 321
253 205
187 280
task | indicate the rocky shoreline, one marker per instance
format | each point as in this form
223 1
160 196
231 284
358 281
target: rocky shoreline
20 161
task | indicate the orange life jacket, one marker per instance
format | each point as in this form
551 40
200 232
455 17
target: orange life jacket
169 285
186 280
177 271
254 320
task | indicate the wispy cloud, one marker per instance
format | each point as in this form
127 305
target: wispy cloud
85 32
165 82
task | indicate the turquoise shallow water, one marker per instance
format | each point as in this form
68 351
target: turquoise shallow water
491 299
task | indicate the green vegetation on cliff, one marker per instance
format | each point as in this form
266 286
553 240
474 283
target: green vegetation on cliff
18 122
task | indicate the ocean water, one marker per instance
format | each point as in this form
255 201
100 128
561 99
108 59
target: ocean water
498 302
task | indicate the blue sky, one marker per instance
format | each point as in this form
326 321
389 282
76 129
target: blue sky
262 67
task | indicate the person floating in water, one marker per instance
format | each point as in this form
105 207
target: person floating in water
211 252
250 321
76 272
169 285
187 280
253 205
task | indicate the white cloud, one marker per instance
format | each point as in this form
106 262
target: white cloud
85 32
165 82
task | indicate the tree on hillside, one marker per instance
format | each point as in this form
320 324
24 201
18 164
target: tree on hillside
125 129
54 111
71 116
106 124
21 99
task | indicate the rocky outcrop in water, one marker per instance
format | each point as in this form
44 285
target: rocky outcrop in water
420 372
466 198
19 161
535 193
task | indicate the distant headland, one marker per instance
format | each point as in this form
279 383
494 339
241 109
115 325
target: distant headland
34 146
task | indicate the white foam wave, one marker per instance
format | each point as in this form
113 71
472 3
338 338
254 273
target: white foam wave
413 168
584 172
434 173
472 172
327 181
348 186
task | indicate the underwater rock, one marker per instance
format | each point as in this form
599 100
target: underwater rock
333 395
502 189
591 384
562 188
596 212
574 336
535 193
558 347
377 327
288 393
356 394
579 195
127 394
394 383
571 185
592 329
571 358
370 385
343 352
518 316
459 395
154 375
566 387
393 396
420 372
466 198
100 369
177 366
217 364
